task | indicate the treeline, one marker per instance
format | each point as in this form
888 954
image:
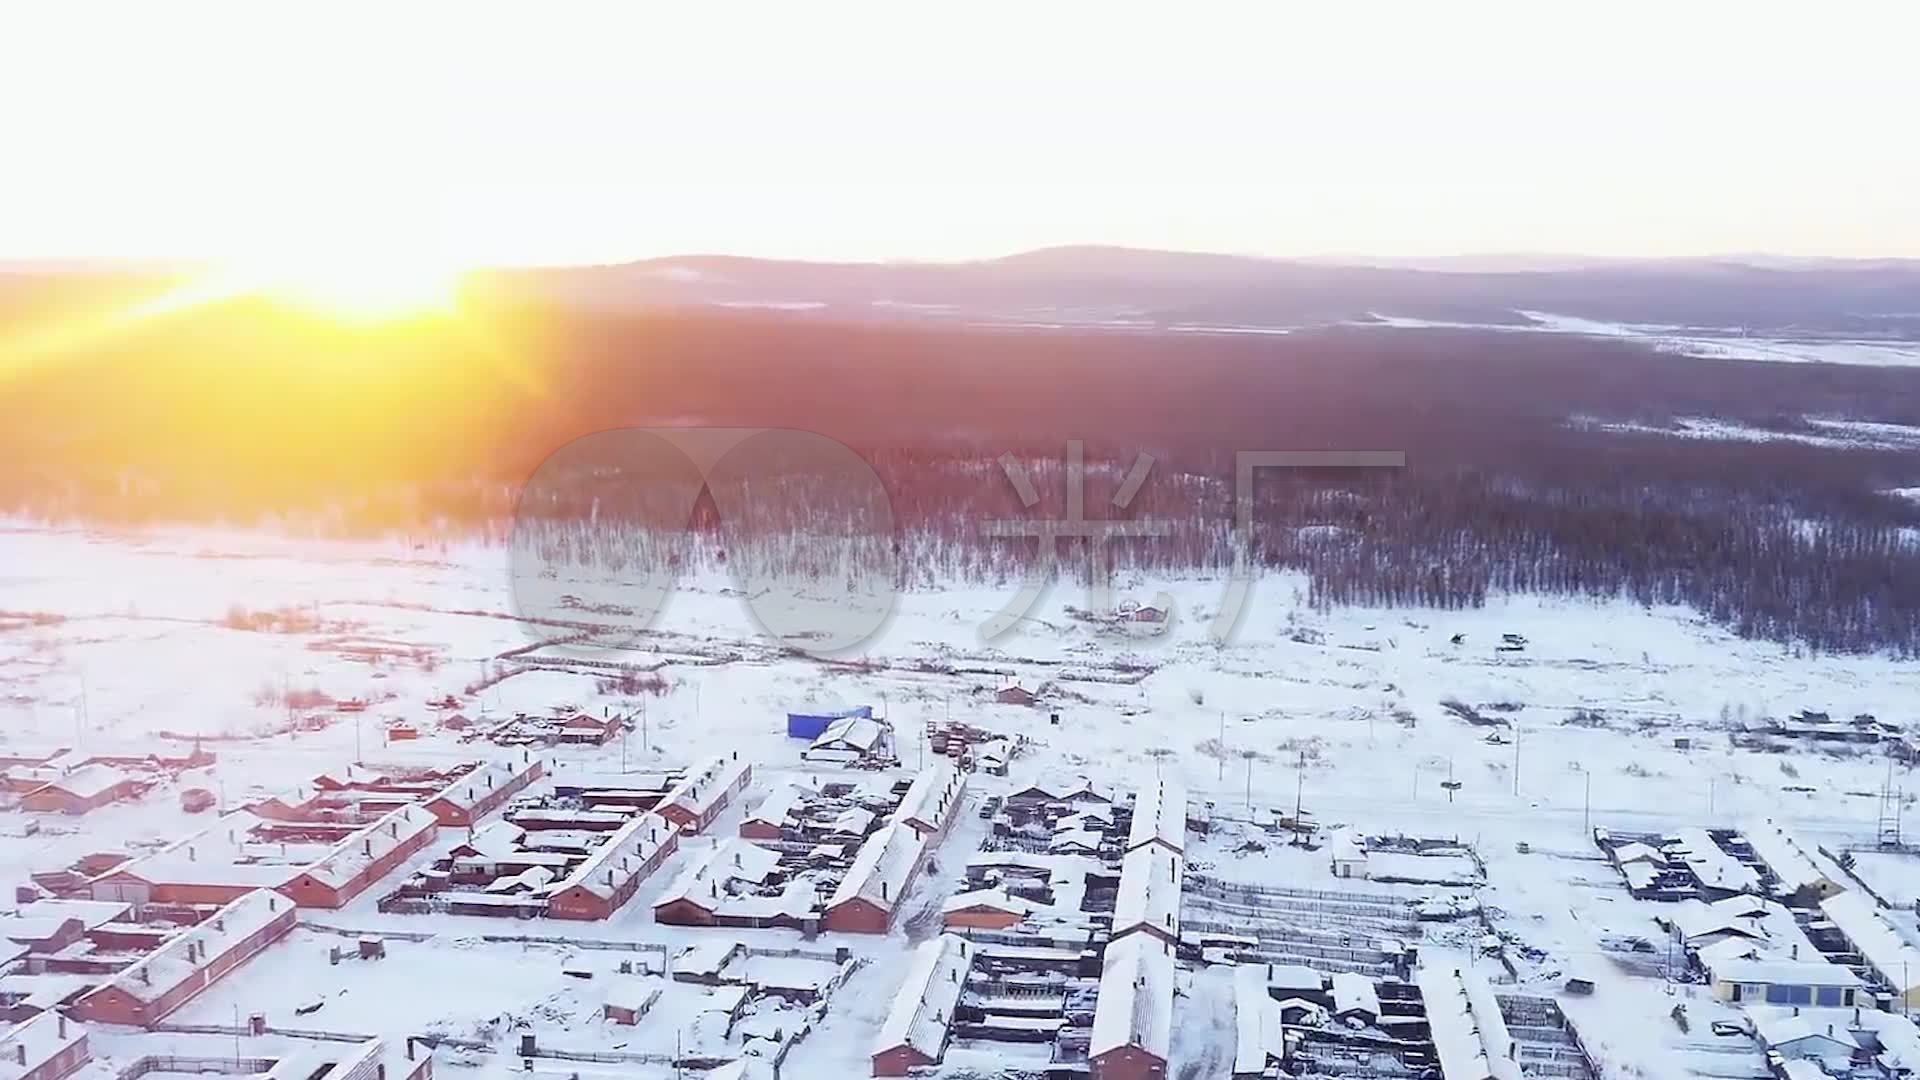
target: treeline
243 413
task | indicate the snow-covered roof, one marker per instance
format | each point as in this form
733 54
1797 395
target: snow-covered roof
1867 930
1714 867
1292 978
1149 891
622 857
1777 1028
38 1040
1695 920
1774 971
1159 813
1259 1037
1638 852
634 995
1064 789
1897 1035
1354 993
705 878
1469 1034
1075 840
882 870
182 956
1785 856
991 899
1346 847
496 840
703 788
779 805
851 732
930 799
923 1006
1135 1007
477 786
89 781
853 821
351 857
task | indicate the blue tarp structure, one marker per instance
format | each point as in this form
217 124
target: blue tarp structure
803 726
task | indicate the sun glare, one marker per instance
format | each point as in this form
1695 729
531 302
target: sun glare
371 288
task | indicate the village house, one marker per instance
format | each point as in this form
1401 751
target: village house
775 814
485 789
612 873
159 983
1016 695
1347 856
1803 882
363 858
45 1047
583 729
1796 1037
1159 817
1133 1016
930 802
1149 897
866 899
917 1027
697 800
1783 982
1354 998
1866 931
1469 1033
709 890
986 909
82 791
849 740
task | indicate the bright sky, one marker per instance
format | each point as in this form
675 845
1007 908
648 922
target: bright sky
565 133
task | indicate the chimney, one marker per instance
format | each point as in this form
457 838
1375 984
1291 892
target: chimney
20 1052
62 1024
883 890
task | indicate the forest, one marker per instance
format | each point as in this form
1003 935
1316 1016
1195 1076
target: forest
1519 475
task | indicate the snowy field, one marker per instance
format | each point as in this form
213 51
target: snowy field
1712 342
130 642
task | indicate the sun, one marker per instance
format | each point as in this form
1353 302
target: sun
370 287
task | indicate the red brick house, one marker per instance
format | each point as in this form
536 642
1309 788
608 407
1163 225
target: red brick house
363 858
929 804
170 976
769 820
1016 695
696 801
81 791
882 872
611 875
45 1047
915 1032
985 909
1133 1016
704 893
485 789
583 729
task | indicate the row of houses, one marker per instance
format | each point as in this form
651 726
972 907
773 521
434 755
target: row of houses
705 793
869 895
46 1047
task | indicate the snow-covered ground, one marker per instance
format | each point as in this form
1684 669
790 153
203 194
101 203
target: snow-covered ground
1726 343
108 641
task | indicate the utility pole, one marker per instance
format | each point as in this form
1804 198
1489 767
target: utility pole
1221 750
1516 762
1586 808
1299 787
1449 784
643 725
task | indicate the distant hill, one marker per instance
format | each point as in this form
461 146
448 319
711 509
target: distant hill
1092 284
